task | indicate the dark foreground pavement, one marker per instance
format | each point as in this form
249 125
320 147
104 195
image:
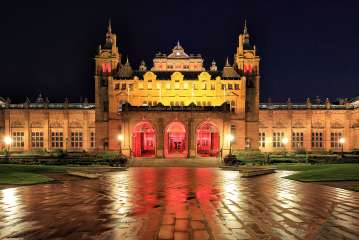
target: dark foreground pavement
179 203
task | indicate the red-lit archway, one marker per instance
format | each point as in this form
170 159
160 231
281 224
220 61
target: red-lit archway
144 140
207 137
176 140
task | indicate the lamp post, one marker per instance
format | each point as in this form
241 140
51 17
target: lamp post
230 139
285 142
342 141
7 141
120 139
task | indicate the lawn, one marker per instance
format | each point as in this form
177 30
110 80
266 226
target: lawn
322 172
14 174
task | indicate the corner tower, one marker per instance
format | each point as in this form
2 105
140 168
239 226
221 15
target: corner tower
107 60
247 62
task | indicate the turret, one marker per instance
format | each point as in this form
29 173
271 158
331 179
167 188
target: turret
107 61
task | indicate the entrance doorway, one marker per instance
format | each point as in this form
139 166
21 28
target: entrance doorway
144 140
207 136
175 140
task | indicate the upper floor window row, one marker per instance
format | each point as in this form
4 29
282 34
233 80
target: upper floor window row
176 86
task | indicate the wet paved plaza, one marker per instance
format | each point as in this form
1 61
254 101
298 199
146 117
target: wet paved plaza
179 203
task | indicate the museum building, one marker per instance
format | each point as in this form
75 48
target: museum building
178 108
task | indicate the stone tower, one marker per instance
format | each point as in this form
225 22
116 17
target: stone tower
107 61
247 62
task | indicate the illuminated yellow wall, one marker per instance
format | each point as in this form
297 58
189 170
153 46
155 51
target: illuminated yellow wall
177 91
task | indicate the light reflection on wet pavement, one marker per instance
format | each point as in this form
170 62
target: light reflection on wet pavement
179 203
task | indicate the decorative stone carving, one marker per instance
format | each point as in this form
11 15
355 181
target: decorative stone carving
17 124
336 124
298 124
279 124
74 124
36 125
56 124
262 125
317 124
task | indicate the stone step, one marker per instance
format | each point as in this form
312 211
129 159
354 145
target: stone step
256 172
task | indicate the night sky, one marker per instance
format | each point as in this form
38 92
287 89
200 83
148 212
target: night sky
308 49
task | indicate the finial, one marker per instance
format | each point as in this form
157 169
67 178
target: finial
127 62
143 66
213 66
227 63
178 44
245 31
109 27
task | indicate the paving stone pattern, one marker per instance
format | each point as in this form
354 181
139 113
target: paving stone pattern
180 204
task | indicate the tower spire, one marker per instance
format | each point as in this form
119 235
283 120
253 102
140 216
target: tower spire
109 27
245 31
227 63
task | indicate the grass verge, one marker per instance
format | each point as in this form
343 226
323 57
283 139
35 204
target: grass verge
325 172
13 174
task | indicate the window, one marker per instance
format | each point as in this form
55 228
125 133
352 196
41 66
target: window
185 85
130 86
92 140
185 66
104 82
262 139
76 139
209 103
334 139
172 103
17 140
297 140
105 106
223 86
158 85
123 86
204 86
233 132
182 103
37 140
236 86
177 85
233 106
317 140
149 85
277 139
168 85
198 103
140 85
203 103
57 139
170 66
195 87
117 86
213 86
230 86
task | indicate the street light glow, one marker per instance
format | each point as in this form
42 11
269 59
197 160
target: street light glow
120 137
285 141
342 140
7 140
230 138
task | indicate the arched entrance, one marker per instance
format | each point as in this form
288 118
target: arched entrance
175 140
207 137
144 140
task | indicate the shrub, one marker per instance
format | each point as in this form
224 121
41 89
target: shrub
109 155
59 153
